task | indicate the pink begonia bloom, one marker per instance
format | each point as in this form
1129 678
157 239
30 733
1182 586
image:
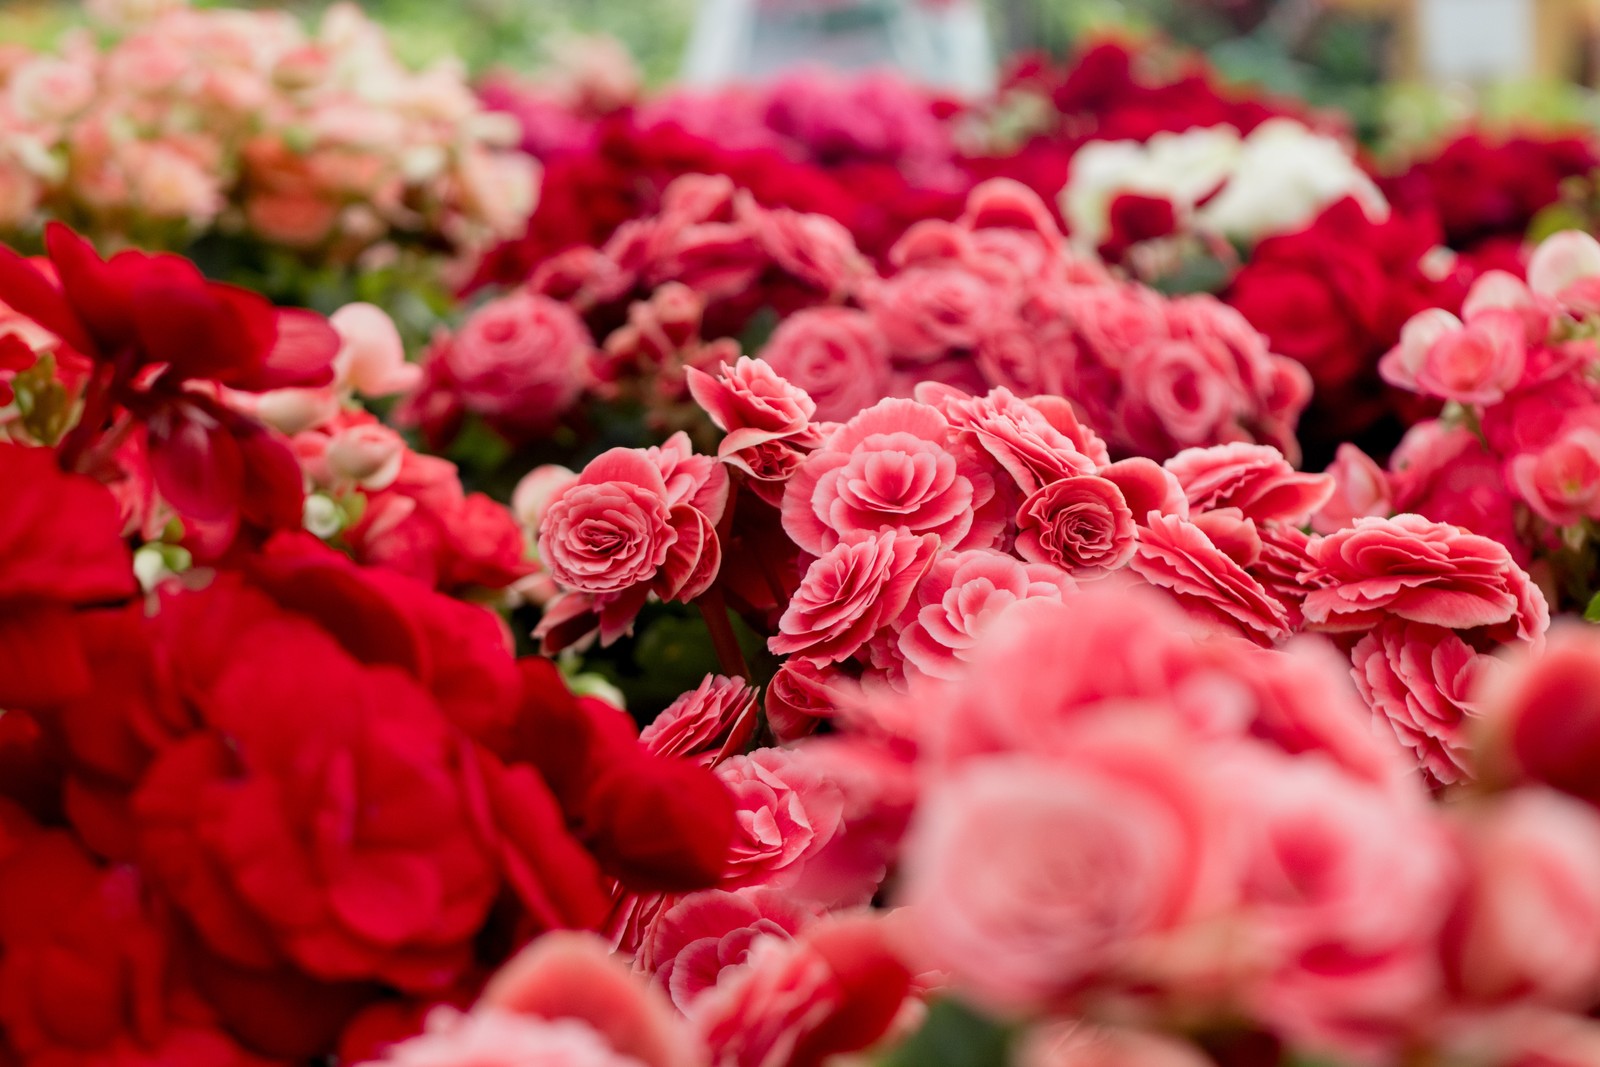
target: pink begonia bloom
838 987
753 405
520 361
1560 482
1542 715
1422 680
1080 1044
372 358
1114 320
534 492
891 466
1026 877
573 975
635 522
836 355
1476 362
928 312
852 592
1446 474
1527 925
812 248
1563 260
1019 435
715 719
1177 395
1081 524
1343 885
801 696
1255 479
702 934
786 813
1412 568
1147 487
490 1038
1360 488
369 455
1186 560
960 596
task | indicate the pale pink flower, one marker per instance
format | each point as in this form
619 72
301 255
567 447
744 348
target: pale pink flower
1255 479
715 719
1081 524
1186 560
960 597
1422 680
700 935
851 592
837 356
1561 482
1360 488
785 812
891 466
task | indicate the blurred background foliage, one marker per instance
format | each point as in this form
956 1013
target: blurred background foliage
1317 50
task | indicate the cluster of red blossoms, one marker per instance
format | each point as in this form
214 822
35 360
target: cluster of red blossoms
283 804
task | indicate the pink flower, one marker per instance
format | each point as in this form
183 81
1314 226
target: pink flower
926 312
1473 363
368 454
836 355
1185 559
752 404
1563 260
635 523
1255 479
1422 680
569 975
1147 486
491 1038
1078 1044
852 592
703 934
803 694
533 494
1343 885
814 249
520 361
891 466
1080 524
960 596
786 812
837 988
1543 716
1360 488
1176 395
1446 474
1527 925
1412 568
372 358
716 719
1561 482
1020 435
1026 878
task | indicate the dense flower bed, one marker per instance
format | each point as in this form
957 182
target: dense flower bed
1091 577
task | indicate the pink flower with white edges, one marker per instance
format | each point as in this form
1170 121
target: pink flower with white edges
1360 488
1253 478
960 596
1026 878
1423 681
1018 434
836 355
785 811
715 719
1560 482
1186 560
1476 362
891 466
928 312
850 593
692 942
1081 524
1411 568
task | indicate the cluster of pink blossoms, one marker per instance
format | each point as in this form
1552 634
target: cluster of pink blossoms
192 121
993 299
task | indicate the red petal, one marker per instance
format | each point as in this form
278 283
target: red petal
302 353
196 464
41 657
98 293
27 291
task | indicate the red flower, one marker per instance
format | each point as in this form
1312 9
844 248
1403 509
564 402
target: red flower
151 325
60 548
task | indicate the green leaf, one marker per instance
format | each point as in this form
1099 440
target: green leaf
1592 612
953 1036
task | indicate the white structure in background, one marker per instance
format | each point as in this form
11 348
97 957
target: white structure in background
1477 40
943 43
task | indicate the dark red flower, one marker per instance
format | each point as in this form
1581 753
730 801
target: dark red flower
60 549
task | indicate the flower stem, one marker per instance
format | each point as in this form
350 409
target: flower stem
714 609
